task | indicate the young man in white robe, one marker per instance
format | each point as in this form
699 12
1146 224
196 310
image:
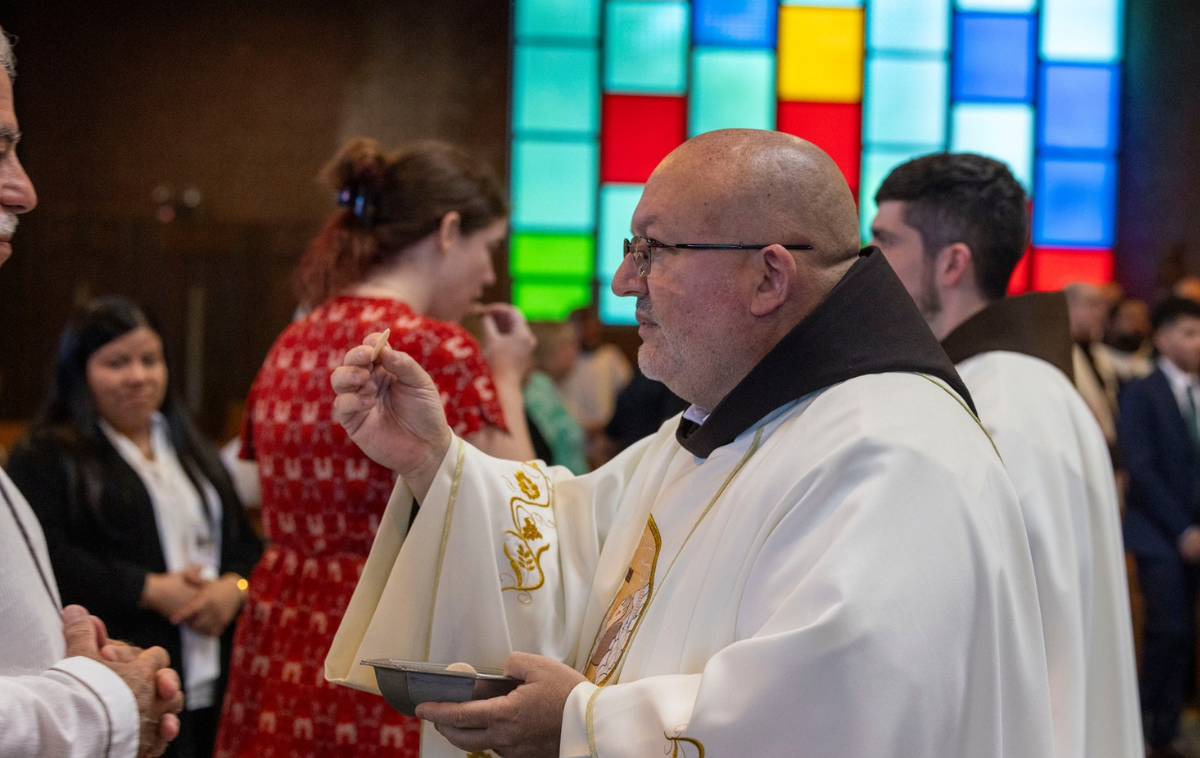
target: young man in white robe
953 226
823 557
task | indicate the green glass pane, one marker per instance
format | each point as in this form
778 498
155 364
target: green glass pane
876 165
556 89
617 203
645 47
554 185
572 255
550 300
565 19
731 88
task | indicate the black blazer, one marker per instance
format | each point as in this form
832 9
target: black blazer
1164 478
101 554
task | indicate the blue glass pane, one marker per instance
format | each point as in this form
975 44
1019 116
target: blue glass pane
876 165
731 88
909 26
1082 31
554 185
1079 107
994 57
556 89
826 3
617 203
566 19
906 102
1000 131
997 6
645 47
616 310
1075 203
734 23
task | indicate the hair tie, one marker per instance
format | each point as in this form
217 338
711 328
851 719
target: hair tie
363 203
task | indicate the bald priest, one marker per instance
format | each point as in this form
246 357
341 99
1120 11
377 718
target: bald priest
823 557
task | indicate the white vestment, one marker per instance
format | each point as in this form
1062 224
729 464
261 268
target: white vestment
1057 459
856 585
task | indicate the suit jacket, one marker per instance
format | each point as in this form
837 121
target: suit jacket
1164 477
102 546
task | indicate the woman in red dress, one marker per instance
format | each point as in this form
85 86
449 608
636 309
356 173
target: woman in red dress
409 250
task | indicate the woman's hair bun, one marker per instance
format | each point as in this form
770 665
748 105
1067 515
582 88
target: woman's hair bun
359 164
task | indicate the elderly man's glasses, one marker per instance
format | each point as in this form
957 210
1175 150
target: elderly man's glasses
641 247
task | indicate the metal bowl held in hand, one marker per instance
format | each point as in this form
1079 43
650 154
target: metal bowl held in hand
407 684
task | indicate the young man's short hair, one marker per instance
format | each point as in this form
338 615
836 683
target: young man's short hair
967 198
1171 310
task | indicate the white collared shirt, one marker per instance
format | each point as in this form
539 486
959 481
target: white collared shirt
1181 382
190 533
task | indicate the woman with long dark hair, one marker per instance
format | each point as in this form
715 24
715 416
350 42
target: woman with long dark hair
141 520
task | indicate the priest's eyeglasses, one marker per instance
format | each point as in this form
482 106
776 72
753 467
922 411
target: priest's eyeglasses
641 247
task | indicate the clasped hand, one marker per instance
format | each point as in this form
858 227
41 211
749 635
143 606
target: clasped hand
526 723
156 687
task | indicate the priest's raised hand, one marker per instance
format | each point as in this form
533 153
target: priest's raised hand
392 410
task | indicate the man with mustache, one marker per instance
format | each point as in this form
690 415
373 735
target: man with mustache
833 558
65 688
953 226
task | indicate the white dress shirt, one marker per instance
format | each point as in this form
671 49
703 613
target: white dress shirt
49 704
1181 384
190 532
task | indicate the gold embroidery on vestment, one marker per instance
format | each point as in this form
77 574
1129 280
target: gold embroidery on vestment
677 749
626 611
525 543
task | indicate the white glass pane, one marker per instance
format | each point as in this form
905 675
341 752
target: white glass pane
1084 31
911 26
906 102
1000 131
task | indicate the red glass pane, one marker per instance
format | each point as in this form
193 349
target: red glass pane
1019 282
836 128
636 132
1056 267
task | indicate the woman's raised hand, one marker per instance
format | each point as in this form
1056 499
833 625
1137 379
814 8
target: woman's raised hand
393 412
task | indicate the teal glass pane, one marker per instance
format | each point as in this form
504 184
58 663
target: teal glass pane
645 47
617 203
997 6
554 185
616 310
876 165
826 3
561 19
905 102
1001 131
731 88
556 89
1081 31
908 26
550 299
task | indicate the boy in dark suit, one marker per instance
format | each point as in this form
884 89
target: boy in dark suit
1159 437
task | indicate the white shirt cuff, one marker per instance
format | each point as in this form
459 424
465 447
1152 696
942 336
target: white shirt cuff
574 741
118 700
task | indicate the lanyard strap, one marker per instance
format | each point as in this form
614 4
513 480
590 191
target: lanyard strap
29 544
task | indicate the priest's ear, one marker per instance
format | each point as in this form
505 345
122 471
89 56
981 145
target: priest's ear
776 279
955 267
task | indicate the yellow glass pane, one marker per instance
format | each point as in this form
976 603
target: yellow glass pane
820 54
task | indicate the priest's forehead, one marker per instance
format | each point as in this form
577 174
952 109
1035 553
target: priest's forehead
746 185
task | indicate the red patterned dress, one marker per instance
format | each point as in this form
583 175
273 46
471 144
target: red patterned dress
321 503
